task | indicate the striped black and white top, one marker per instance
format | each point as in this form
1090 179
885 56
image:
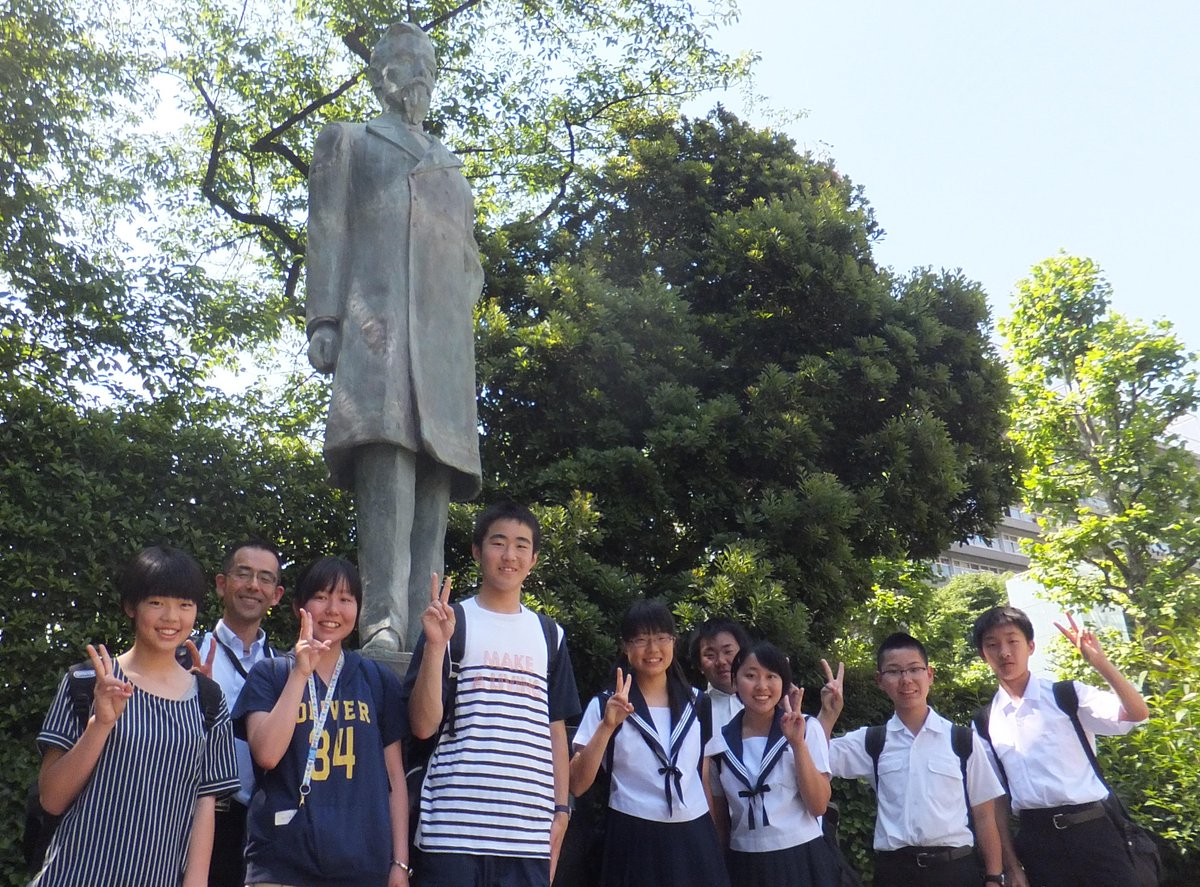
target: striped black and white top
132 822
489 789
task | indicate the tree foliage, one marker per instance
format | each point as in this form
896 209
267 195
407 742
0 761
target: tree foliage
1096 397
700 340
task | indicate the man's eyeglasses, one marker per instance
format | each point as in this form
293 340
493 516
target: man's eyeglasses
642 641
247 575
895 674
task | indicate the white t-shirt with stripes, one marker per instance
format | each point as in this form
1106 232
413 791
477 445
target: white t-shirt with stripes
489 788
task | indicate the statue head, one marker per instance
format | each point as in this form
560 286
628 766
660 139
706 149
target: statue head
403 70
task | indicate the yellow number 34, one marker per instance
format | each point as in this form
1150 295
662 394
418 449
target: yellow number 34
343 754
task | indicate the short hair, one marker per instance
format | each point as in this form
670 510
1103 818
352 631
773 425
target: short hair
997 617
708 630
260 544
506 510
162 571
325 574
899 640
769 657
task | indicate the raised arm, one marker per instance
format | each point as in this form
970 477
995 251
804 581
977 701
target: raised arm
832 698
425 710
586 762
270 732
64 773
1133 706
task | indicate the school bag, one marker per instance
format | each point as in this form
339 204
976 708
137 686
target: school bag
417 752
1139 843
81 684
960 741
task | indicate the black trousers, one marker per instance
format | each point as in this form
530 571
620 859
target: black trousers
906 869
1087 854
228 865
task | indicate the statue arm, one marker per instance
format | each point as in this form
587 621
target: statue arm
328 198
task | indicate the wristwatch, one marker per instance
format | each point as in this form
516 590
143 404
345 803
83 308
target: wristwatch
1000 879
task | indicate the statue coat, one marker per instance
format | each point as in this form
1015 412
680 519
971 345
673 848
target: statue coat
392 259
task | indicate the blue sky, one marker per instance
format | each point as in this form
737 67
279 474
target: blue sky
989 136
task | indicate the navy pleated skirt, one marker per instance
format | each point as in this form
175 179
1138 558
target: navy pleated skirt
806 865
648 853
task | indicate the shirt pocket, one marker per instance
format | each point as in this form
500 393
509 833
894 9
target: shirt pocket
945 771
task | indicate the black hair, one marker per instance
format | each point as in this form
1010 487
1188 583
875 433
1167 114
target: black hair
769 657
261 544
708 630
161 571
506 510
654 617
325 574
997 617
899 640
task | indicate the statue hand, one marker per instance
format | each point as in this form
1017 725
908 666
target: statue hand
323 348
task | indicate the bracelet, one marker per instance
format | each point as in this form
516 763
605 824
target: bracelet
404 865
562 808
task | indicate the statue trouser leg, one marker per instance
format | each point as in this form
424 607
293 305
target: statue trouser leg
431 510
403 499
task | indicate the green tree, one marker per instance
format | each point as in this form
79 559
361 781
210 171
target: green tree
700 340
1096 396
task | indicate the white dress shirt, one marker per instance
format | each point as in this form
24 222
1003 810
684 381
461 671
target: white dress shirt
1043 760
724 707
920 792
231 680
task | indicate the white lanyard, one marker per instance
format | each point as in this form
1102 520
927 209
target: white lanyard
318 727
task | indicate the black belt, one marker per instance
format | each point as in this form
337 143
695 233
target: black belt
1064 817
928 857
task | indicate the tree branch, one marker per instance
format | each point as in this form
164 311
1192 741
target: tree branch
442 19
209 190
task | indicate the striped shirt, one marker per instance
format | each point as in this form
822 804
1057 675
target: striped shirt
489 789
131 823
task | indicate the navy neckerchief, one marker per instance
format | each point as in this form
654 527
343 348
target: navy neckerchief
669 769
756 783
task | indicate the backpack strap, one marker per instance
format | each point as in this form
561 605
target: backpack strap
81 690
981 720
960 741
1066 697
455 652
212 697
876 737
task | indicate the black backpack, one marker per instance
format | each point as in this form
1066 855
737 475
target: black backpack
1139 843
417 752
81 684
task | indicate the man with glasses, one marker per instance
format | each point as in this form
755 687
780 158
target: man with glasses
925 772
248 586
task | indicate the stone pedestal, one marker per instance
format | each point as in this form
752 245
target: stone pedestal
397 662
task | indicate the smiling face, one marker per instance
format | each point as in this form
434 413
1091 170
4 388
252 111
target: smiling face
161 623
505 557
334 613
759 688
716 658
1006 650
905 676
249 588
650 653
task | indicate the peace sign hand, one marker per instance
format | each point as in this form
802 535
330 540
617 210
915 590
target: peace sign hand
618 707
308 650
206 667
111 693
438 619
832 698
1084 640
793 723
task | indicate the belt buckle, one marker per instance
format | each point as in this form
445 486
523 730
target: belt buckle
924 860
1057 824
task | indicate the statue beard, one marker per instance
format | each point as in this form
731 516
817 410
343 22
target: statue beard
412 101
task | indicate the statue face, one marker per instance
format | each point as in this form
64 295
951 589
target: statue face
405 80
